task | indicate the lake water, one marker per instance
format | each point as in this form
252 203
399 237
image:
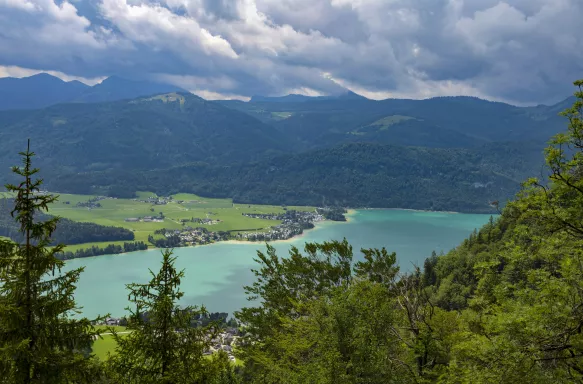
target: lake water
216 273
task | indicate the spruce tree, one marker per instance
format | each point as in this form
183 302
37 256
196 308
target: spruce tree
164 344
40 341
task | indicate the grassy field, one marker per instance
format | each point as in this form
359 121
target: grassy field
113 212
106 344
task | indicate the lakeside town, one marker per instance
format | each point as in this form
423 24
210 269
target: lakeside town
293 223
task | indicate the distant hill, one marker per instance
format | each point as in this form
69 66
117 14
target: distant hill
144 133
43 90
438 122
117 88
356 175
295 98
37 91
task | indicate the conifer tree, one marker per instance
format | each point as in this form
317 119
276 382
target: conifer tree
164 343
40 341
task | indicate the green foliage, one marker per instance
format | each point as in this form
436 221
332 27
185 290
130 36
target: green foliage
505 306
518 281
355 175
324 320
144 133
40 341
165 345
110 249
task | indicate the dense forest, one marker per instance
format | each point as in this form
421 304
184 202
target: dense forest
505 306
68 232
353 175
144 133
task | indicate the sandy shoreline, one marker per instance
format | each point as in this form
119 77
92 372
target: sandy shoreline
291 239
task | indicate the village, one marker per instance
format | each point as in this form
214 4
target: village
289 217
187 236
156 200
293 223
145 219
278 232
225 340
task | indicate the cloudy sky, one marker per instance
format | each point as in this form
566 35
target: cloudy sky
520 51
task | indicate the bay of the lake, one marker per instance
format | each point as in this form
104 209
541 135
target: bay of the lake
215 274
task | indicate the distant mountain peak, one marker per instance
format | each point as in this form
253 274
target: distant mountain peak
298 98
351 95
42 75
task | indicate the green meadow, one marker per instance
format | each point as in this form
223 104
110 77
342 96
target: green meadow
106 343
114 212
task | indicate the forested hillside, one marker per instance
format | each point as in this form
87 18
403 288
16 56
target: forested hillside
450 153
442 121
355 175
37 91
144 133
503 307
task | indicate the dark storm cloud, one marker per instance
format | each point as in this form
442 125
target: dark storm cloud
524 51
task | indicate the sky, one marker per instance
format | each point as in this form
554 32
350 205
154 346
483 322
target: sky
519 51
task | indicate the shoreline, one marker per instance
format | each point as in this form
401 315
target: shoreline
317 225
416 210
349 215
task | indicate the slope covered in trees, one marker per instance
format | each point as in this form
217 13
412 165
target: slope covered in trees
503 307
355 175
145 133
466 121
453 153
37 91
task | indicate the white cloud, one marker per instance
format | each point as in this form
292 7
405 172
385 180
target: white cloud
525 51
161 29
13 71
211 95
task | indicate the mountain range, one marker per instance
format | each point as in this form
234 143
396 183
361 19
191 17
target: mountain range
295 98
447 153
43 90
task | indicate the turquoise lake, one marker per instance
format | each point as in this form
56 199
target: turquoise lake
216 273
